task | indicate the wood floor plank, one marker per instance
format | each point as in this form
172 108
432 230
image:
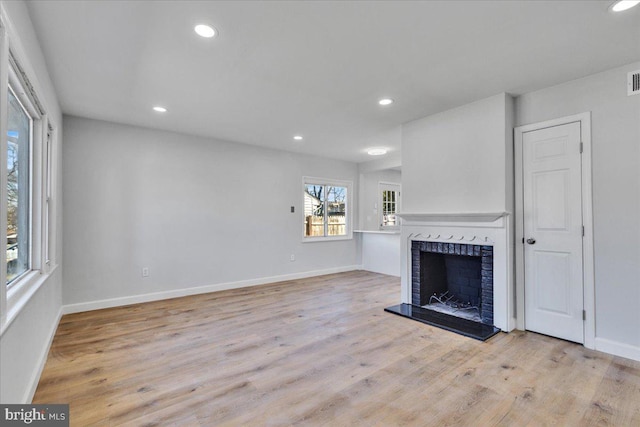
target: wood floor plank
321 352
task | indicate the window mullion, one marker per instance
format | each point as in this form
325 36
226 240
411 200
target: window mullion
46 185
32 214
325 211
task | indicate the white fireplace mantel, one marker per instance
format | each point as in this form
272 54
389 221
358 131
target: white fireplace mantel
484 228
452 217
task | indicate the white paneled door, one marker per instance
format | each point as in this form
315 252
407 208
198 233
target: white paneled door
552 198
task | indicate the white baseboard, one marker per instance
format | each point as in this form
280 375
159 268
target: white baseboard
42 360
617 348
156 296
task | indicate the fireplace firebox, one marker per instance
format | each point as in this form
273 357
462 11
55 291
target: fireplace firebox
453 278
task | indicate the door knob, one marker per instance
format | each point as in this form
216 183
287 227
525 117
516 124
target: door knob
531 241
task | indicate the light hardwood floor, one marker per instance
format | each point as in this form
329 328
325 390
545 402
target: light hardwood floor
321 351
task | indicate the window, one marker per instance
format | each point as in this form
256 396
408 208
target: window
389 205
29 181
27 191
326 209
19 125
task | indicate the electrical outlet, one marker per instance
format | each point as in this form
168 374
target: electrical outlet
293 257
145 271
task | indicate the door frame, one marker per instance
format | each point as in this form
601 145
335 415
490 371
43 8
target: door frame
587 220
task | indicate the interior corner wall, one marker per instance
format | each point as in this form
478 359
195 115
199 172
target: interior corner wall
456 161
615 139
25 343
196 212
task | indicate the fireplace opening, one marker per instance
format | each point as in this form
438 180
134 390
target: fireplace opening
451 284
456 279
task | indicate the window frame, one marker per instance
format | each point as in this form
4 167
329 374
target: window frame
389 186
326 182
42 182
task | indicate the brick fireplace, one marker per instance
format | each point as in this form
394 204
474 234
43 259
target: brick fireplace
457 244
453 278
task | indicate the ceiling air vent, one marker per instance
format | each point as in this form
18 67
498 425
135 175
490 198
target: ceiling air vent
633 83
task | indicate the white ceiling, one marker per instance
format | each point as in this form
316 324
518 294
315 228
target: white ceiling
317 68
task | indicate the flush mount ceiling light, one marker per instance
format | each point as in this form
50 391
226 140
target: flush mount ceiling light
159 109
298 137
385 101
377 152
206 31
621 5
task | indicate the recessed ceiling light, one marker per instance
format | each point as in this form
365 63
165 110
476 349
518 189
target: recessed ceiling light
206 31
159 109
621 5
377 152
298 137
385 101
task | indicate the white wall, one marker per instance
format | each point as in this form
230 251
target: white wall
369 196
615 122
25 342
457 161
24 346
381 253
195 211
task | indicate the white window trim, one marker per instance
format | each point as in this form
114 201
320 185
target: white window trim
15 297
391 186
348 207
4 83
47 196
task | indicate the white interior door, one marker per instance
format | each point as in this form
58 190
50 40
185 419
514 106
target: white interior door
552 198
